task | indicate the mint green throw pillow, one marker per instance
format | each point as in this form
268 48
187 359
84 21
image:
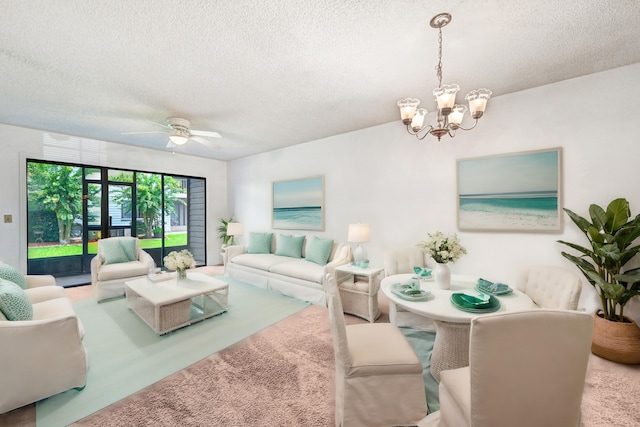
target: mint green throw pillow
259 243
12 274
112 251
14 302
319 250
290 246
129 246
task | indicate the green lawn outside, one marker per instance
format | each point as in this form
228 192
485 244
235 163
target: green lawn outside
171 239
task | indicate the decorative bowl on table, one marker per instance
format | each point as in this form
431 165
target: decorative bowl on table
410 291
488 287
483 303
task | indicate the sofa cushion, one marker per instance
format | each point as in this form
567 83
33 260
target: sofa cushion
112 251
122 270
260 261
300 269
10 273
14 302
290 246
319 250
259 243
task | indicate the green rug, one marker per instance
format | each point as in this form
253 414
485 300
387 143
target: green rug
422 343
125 355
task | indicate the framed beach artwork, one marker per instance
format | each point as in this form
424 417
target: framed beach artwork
299 204
511 192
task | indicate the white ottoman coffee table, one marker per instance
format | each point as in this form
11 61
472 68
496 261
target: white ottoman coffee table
167 305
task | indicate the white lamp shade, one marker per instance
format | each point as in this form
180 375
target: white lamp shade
358 233
235 229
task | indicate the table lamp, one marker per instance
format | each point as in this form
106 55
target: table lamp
359 233
234 229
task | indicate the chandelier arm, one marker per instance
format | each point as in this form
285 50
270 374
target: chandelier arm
474 125
427 128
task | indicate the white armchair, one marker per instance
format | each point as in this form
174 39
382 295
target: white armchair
119 259
43 356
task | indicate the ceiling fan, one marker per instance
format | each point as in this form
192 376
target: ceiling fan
179 133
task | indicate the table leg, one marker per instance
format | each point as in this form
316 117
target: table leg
451 347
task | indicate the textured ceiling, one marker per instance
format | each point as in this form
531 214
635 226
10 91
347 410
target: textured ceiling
275 73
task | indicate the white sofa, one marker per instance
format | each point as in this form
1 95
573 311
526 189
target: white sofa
108 276
296 277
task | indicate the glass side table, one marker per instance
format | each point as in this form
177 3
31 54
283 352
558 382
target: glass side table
359 298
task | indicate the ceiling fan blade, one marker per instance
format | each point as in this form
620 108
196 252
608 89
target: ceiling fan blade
140 133
205 133
205 142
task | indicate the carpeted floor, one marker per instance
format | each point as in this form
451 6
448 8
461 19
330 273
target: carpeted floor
277 389
126 355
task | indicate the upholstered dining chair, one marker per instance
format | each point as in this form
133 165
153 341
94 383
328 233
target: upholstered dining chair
399 261
378 374
526 369
552 287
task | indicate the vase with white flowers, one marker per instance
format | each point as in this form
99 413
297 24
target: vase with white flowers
180 262
443 249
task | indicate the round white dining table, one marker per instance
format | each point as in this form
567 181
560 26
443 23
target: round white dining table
451 345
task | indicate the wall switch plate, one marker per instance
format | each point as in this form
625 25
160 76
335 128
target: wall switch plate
8 218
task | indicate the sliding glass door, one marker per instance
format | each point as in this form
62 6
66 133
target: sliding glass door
71 207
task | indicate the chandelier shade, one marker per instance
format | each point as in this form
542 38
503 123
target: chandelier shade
450 114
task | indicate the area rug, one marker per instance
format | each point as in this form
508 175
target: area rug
282 376
611 394
125 355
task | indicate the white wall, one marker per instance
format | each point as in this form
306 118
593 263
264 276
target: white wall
18 144
406 188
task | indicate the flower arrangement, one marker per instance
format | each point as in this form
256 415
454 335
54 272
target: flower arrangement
443 248
179 261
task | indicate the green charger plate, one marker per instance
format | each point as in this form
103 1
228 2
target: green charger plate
472 304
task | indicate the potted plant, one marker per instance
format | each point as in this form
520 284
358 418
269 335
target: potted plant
611 234
222 231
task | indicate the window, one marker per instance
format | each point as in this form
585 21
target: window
68 214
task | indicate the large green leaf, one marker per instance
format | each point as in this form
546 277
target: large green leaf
629 276
612 291
598 216
582 223
579 248
627 234
583 265
610 251
595 236
629 253
617 215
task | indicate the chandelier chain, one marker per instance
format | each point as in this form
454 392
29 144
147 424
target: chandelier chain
439 66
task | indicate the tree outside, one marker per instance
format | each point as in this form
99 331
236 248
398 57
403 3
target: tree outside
149 204
56 188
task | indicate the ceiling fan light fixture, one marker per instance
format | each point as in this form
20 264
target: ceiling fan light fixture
178 139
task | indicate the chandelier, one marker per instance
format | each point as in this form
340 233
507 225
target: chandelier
450 114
